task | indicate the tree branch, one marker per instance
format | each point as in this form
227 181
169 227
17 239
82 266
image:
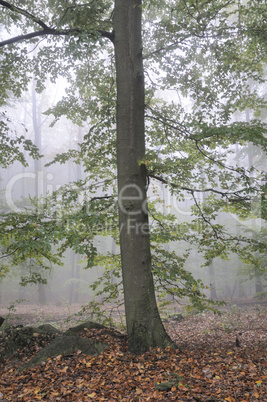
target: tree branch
168 47
186 133
51 31
46 29
20 38
226 194
9 254
203 216
21 11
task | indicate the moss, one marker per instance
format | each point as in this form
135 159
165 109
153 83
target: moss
15 338
66 345
83 327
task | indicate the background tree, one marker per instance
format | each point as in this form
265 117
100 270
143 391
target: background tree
207 52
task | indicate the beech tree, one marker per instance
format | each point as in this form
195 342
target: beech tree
208 52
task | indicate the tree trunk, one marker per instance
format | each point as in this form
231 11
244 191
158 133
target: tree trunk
36 121
144 326
213 291
258 284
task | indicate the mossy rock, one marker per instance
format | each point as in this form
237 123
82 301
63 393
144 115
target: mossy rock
48 329
164 386
67 345
83 328
15 338
176 317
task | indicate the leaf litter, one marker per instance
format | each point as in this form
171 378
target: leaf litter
219 358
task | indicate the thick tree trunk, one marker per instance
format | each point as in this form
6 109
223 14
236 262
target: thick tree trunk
144 326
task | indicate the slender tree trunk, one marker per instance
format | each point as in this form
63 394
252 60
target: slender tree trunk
258 278
77 257
213 291
1 291
258 284
144 326
36 119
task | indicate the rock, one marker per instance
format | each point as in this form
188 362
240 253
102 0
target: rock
52 341
66 345
163 386
177 317
20 337
48 329
83 327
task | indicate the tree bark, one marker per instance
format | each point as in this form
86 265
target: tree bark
144 326
36 122
213 291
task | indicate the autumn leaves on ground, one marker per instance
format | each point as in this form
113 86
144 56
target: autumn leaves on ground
219 358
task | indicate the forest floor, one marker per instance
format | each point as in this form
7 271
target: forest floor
219 358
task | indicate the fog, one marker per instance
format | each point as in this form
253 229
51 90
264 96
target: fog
67 284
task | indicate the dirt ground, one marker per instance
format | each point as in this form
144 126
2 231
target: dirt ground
34 314
250 320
